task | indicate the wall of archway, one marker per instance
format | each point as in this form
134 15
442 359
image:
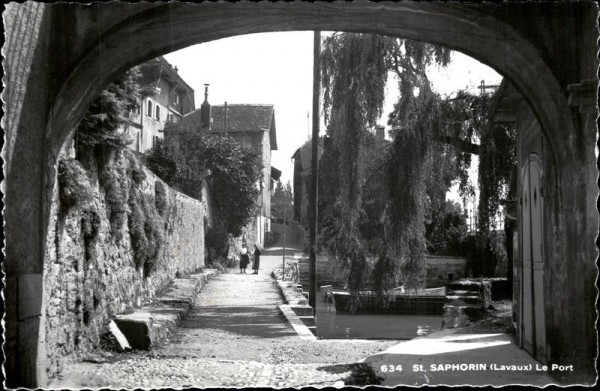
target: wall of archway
79 49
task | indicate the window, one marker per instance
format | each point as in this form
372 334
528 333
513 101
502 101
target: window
246 141
176 99
149 110
157 112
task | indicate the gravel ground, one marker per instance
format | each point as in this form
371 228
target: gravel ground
234 337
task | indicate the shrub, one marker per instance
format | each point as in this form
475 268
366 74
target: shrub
217 244
116 185
74 188
145 231
486 254
269 238
160 198
109 111
135 170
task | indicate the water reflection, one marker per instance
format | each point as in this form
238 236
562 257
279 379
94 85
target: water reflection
423 330
332 324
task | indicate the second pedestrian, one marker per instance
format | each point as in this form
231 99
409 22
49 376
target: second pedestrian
256 263
244 259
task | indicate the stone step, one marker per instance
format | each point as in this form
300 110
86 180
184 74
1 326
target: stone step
463 299
464 287
312 329
308 320
461 292
302 310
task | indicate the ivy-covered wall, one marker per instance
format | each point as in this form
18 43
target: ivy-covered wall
118 235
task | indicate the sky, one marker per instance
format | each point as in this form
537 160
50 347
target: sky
276 68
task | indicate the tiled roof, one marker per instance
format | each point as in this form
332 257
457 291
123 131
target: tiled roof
240 118
191 120
159 67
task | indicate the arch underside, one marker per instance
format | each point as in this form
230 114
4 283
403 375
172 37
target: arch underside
164 28
107 39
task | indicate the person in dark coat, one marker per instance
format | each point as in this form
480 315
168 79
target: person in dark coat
244 259
256 259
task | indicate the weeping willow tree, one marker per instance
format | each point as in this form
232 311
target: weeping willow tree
377 200
354 75
355 68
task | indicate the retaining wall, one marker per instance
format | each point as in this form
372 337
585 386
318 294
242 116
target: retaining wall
89 279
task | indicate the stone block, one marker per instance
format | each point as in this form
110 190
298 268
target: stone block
167 316
459 315
122 343
138 329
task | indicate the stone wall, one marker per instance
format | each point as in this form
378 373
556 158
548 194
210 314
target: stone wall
291 272
91 272
443 269
439 269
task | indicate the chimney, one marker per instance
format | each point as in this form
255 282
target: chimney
380 132
205 110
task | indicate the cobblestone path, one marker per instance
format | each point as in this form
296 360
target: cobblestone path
234 337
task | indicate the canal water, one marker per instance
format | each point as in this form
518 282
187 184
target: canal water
341 325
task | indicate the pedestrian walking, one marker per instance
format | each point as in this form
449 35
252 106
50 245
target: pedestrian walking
244 259
256 263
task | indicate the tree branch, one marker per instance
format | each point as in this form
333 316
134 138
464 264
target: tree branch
463 145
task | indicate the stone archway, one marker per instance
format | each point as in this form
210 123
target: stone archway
98 42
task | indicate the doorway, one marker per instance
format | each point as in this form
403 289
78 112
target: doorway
532 301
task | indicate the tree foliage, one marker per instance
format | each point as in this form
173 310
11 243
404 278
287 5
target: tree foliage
446 232
353 78
390 200
233 173
282 201
109 112
497 162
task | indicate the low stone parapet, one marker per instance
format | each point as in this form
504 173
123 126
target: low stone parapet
291 294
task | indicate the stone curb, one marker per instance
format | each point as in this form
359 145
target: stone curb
301 329
157 320
295 308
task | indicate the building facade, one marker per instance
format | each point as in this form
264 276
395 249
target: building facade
302 175
165 97
253 126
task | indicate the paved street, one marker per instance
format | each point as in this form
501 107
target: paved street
234 337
